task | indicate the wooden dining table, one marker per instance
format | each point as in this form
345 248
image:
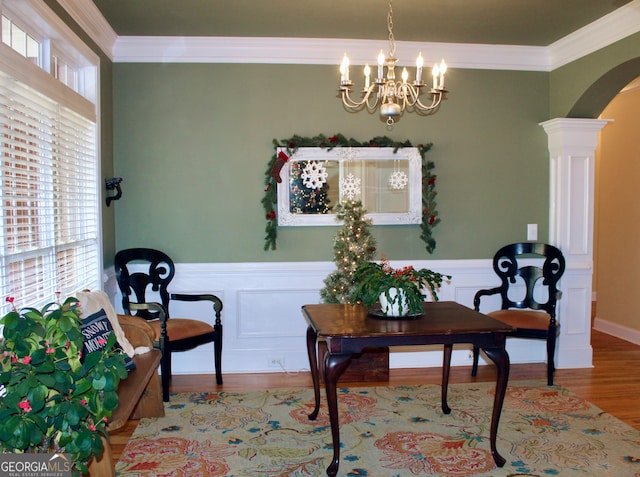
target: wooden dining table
350 329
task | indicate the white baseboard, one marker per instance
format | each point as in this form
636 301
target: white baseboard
619 331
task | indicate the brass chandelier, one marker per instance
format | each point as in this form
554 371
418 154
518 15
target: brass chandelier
391 95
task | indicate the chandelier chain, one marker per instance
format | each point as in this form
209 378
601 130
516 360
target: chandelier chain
392 40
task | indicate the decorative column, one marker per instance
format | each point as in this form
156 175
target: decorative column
572 146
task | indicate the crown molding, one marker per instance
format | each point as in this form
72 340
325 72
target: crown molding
88 16
325 51
621 23
613 27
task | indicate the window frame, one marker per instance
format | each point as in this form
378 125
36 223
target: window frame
40 22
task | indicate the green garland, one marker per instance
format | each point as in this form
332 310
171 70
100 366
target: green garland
270 200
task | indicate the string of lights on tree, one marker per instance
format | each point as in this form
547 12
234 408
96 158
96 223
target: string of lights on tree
353 245
321 204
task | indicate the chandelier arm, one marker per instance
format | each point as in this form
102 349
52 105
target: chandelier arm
366 100
414 98
436 98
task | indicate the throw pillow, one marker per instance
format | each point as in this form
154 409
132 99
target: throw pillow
97 326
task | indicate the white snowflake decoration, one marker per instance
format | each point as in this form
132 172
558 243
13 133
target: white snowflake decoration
348 153
314 175
398 180
350 186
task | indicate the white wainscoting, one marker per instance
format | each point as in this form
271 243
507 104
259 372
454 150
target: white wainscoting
263 323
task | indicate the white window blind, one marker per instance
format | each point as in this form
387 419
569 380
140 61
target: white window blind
48 187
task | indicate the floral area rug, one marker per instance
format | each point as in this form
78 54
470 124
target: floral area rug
384 431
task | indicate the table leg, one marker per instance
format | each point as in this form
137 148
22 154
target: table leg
501 359
446 366
334 365
312 339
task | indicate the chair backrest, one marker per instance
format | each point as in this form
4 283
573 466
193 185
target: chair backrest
137 270
508 265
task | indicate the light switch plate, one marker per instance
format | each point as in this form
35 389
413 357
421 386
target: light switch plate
532 231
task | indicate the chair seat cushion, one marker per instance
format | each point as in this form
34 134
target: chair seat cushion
523 319
181 328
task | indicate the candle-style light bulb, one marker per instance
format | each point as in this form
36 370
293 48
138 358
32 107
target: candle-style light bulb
443 70
419 63
405 75
344 69
380 64
367 74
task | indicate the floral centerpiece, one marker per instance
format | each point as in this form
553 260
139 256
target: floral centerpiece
52 398
399 291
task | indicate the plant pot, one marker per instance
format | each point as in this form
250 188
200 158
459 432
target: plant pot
392 307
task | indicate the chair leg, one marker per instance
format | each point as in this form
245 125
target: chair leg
551 352
165 369
217 350
476 356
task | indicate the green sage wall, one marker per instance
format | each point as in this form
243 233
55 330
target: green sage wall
192 142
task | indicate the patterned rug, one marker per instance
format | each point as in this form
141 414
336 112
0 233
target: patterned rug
385 431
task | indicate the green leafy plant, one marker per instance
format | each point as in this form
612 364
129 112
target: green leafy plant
54 399
373 279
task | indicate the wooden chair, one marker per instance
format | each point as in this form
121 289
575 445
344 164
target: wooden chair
143 270
529 294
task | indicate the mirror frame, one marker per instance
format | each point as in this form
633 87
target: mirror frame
341 154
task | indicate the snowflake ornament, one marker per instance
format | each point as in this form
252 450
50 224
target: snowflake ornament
350 186
314 175
398 180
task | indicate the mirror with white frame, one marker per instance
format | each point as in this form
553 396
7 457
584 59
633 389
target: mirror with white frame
315 180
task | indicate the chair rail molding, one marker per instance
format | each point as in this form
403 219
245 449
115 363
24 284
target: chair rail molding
572 144
263 322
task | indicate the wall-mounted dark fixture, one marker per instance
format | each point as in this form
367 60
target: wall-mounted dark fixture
113 183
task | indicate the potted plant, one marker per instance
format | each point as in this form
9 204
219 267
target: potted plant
399 291
52 398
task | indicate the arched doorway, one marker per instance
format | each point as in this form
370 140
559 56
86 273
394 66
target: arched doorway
617 217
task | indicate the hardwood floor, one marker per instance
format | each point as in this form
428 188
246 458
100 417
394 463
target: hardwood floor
613 384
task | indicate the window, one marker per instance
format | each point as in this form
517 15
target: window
21 41
49 216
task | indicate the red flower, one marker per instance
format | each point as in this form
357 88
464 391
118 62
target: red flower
271 215
292 145
26 359
432 219
9 299
333 139
432 180
25 405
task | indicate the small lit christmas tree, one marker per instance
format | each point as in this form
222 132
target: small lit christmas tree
354 245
